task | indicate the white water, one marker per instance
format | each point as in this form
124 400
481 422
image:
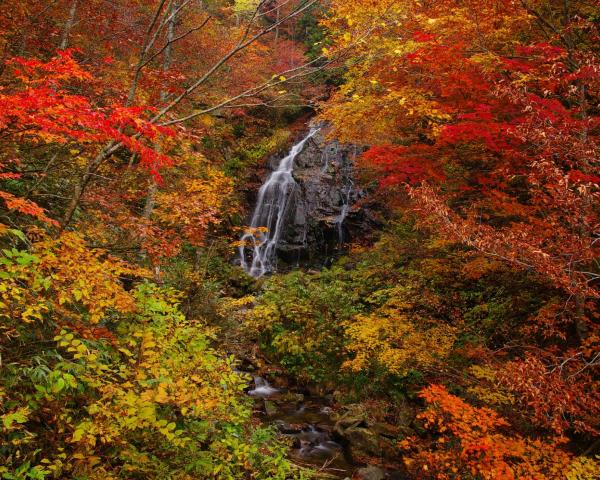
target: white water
346 202
265 230
262 388
344 211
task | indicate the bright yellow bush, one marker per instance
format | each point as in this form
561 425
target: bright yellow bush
394 337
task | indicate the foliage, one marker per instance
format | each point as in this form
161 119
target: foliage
483 124
128 385
499 135
42 110
394 336
298 319
470 442
583 468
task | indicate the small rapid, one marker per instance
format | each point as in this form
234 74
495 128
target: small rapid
262 388
307 422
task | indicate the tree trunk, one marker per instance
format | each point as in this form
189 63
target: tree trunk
277 29
64 43
153 187
168 57
90 169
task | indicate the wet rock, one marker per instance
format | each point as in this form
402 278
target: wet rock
386 430
405 418
325 428
398 474
292 397
370 473
363 442
286 428
351 416
323 213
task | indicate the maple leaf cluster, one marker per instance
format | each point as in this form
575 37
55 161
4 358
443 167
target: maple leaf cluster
484 124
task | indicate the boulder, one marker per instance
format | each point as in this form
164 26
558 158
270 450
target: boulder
370 473
363 437
352 415
287 428
292 397
363 442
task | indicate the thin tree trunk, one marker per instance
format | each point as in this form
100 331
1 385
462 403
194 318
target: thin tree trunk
167 60
277 29
581 325
150 199
90 169
153 187
64 43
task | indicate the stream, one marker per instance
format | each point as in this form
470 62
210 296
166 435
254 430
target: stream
308 422
328 442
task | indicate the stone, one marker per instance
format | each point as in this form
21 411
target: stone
353 415
363 442
370 473
287 428
270 408
398 475
291 397
325 192
386 430
363 437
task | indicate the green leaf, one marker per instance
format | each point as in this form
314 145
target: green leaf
59 385
78 434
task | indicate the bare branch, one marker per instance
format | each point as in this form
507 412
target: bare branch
175 40
238 48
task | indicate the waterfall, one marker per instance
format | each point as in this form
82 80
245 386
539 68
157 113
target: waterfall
346 198
267 223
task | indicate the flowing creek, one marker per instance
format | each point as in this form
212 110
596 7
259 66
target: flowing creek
308 422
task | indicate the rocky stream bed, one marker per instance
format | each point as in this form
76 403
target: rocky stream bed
327 439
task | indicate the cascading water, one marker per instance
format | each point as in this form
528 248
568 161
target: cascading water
346 198
262 388
267 223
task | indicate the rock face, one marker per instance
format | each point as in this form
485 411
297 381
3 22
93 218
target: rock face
307 209
323 215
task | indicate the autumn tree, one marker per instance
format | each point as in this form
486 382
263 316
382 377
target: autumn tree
103 113
483 116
